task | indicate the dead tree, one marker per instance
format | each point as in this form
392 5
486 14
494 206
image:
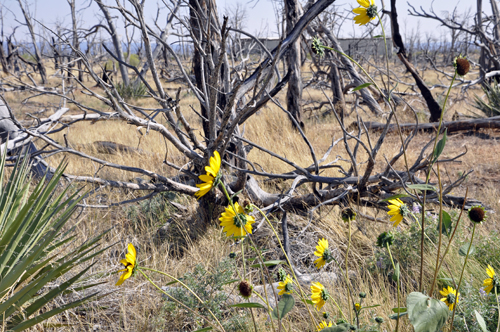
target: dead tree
76 42
37 54
294 63
116 42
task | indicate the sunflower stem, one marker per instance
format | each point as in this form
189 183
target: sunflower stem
347 271
397 284
461 276
440 230
177 301
289 263
498 307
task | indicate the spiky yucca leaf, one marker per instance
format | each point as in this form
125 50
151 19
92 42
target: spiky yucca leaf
31 233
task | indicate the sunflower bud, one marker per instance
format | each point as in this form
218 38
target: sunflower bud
353 328
281 274
477 214
317 47
379 320
326 315
247 206
385 239
232 255
245 289
362 295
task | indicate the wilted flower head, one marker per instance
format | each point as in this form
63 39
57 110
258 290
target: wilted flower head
461 65
348 214
477 214
245 289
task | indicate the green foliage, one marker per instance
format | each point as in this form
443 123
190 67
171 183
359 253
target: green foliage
488 249
131 91
426 314
210 287
406 248
28 57
133 60
471 300
31 236
285 305
152 212
492 107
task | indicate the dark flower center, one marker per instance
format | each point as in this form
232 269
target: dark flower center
476 214
240 220
451 298
371 11
327 255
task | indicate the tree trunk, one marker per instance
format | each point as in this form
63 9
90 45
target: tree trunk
294 92
116 42
38 57
338 95
433 106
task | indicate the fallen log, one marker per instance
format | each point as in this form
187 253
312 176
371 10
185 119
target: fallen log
452 126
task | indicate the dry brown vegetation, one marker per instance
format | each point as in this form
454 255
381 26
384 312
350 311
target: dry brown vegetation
136 306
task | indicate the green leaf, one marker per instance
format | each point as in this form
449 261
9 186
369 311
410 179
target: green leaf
204 329
344 327
393 197
269 263
421 187
401 310
396 273
308 302
359 87
248 305
480 321
440 146
426 314
284 306
231 281
462 251
370 306
446 224
378 36
395 316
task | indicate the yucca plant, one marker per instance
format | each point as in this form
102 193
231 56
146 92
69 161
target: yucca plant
492 107
32 238
132 91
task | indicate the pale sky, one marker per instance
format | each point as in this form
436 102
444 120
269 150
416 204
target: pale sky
260 18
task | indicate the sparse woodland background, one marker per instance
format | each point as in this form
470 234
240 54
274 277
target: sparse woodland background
136 118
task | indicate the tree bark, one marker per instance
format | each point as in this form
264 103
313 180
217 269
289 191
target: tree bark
116 42
433 106
294 92
38 57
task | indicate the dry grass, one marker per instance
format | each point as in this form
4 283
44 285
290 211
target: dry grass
136 306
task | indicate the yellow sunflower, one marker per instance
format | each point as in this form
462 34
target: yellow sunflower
357 306
323 253
492 281
450 297
324 325
319 295
398 210
129 261
209 178
366 13
285 286
236 224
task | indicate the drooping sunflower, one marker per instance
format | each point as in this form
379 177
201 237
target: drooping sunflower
366 13
130 262
323 253
398 210
319 295
211 177
451 296
285 286
492 281
236 223
324 325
